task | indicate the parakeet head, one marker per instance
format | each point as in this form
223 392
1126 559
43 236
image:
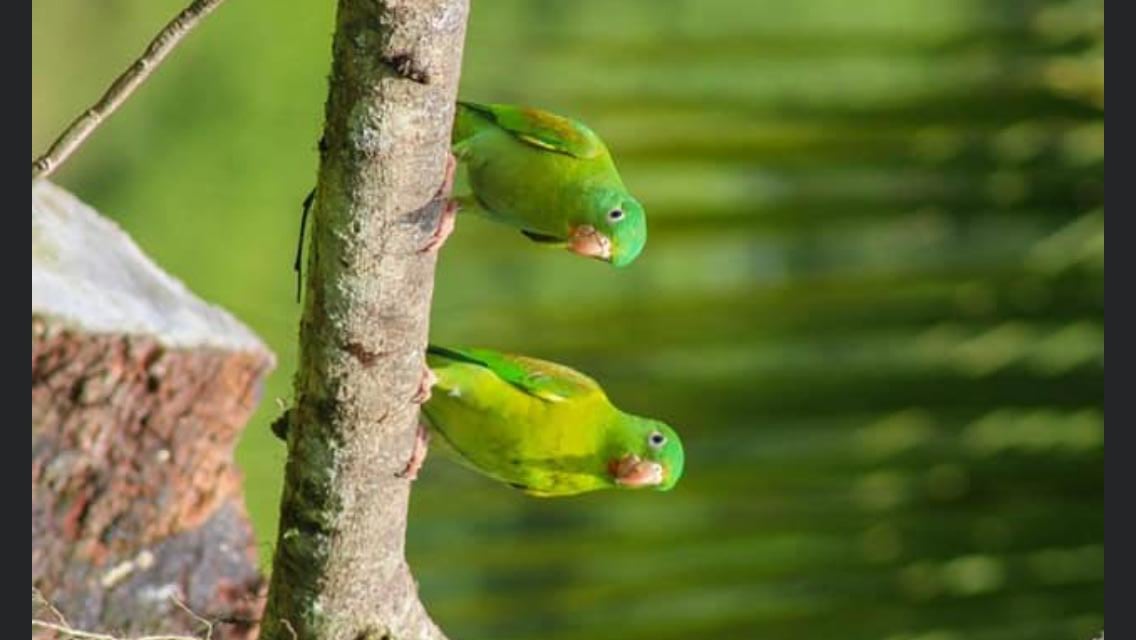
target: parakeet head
615 231
649 454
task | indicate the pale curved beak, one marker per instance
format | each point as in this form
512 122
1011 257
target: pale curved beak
584 240
630 471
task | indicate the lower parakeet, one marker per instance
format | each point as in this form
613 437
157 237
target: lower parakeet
542 427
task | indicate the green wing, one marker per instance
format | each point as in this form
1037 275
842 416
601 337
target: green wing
540 128
544 238
546 380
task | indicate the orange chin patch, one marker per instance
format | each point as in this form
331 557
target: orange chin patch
630 471
584 240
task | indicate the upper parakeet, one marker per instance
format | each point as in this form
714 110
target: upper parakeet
542 427
550 176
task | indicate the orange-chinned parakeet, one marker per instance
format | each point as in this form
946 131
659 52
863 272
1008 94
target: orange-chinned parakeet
545 174
549 176
543 427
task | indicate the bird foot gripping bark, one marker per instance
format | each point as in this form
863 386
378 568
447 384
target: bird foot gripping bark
422 437
449 213
425 386
418 456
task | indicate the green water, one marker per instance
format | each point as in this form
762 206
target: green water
872 299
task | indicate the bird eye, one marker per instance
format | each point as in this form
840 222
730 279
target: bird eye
615 215
657 440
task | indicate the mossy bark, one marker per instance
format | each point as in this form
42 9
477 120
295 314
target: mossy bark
340 570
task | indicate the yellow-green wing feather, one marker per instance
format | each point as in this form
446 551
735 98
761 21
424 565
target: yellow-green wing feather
540 128
546 380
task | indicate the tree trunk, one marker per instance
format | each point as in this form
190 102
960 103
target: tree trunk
339 571
139 393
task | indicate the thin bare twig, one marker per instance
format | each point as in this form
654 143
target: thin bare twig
206 623
69 632
122 87
38 598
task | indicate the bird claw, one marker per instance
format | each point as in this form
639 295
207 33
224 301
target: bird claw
446 220
425 386
418 455
443 230
447 186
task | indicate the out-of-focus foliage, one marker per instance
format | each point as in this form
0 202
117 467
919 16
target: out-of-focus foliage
872 298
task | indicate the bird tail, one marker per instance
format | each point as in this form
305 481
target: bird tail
470 119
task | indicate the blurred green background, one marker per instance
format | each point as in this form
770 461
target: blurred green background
872 300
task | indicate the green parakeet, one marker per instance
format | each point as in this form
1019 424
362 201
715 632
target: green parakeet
551 177
548 175
542 427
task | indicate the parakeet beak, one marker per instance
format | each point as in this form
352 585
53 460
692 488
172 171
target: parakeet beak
630 471
584 240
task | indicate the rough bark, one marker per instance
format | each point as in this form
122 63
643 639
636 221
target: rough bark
339 571
139 393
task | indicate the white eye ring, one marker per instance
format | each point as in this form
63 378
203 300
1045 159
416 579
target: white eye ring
656 440
615 215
